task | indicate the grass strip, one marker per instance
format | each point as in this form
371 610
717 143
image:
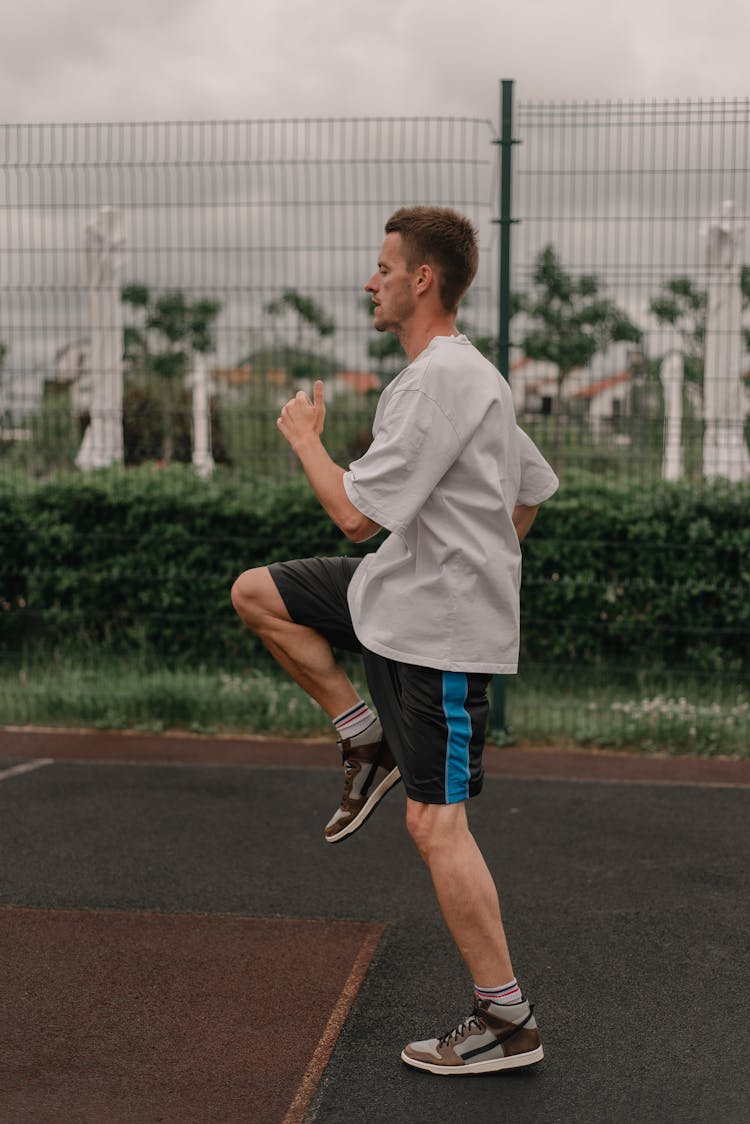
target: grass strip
658 716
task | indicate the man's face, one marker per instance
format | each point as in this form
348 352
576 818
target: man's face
392 287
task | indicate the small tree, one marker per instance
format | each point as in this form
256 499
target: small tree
173 329
309 318
569 321
683 307
3 354
745 286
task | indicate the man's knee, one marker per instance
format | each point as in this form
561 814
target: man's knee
432 826
256 598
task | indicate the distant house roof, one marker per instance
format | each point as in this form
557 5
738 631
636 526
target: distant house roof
235 376
538 386
361 381
543 372
595 388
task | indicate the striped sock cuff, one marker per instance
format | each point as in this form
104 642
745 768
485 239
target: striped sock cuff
508 993
354 720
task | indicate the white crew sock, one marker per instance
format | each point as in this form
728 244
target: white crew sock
355 721
505 994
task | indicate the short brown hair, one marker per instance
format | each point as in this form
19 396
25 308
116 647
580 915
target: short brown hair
440 237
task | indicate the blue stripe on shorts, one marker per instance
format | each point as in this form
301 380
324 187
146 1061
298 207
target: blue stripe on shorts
455 689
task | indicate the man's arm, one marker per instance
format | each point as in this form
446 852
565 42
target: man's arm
523 517
301 424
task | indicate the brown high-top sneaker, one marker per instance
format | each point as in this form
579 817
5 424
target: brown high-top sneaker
370 771
492 1037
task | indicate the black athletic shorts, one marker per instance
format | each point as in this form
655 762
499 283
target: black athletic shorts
434 722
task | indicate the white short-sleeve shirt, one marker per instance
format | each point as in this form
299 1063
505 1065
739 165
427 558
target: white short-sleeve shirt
446 467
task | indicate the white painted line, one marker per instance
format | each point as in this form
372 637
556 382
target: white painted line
26 767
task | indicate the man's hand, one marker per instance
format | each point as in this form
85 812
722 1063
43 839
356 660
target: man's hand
300 418
523 517
301 424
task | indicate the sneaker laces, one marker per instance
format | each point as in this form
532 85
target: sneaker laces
472 1020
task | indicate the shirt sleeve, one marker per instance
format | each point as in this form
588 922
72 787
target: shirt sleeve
414 447
538 481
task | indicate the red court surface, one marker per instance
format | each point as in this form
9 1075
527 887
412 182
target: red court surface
511 761
111 1017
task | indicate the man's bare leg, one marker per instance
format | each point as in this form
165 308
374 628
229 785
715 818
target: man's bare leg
369 768
303 653
465 888
500 1033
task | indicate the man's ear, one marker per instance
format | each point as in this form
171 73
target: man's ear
425 278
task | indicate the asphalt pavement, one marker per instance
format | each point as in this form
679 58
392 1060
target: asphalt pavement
625 905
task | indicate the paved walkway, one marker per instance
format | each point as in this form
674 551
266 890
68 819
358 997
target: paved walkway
181 946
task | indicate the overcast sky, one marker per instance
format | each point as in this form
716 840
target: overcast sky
147 60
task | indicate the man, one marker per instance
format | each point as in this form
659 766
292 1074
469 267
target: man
434 610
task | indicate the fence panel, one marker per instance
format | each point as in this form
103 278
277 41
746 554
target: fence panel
625 193
241 248
270 227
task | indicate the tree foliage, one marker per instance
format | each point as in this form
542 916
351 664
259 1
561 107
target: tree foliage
569 319
172 329
745 287
683 307
311 324
306 311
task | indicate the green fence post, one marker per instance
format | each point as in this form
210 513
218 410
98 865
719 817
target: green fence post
499 730
506 141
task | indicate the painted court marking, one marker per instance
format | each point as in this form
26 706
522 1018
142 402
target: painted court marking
25 767
334 1026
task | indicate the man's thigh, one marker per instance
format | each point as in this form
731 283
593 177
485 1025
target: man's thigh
314 591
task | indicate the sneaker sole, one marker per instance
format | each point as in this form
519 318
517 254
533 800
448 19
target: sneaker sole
371 804
493 1065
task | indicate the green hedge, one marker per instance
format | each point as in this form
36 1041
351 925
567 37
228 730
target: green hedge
143 560
646 577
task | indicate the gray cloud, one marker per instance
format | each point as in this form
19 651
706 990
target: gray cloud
229 59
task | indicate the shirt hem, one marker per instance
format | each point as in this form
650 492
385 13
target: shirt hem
478 667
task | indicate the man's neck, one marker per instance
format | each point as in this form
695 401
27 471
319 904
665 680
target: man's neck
415 338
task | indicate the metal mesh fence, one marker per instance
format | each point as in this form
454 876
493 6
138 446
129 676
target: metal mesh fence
270 228
644 205
267 228
230 257
634 196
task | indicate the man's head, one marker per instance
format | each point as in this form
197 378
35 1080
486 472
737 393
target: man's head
442 239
